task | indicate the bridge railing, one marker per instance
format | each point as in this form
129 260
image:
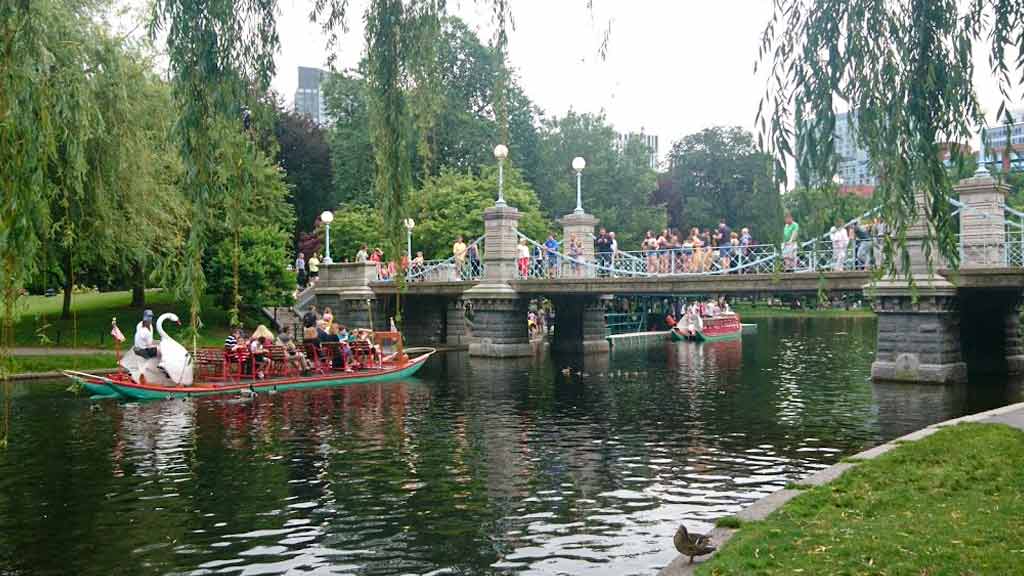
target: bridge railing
625 322
446 270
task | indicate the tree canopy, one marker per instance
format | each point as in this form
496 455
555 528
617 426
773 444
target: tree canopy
618 182
906 68
719 173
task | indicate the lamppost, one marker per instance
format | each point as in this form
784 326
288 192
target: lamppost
409 225
500 153
327 217
982 169
578 164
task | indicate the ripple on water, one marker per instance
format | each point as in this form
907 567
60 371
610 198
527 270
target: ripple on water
477 467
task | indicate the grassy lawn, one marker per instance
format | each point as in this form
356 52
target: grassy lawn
952 503
39 323
746 311
56 363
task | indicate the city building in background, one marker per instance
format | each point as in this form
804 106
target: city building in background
649 140
309 100
1004 144
853 168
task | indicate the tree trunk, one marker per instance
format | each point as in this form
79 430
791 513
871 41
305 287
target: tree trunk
138 285
65 312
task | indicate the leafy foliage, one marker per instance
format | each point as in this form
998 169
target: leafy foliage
349 138
907 69
353 226
718 173
446 206
816 209
264 279
618 185
305 156
221 53
453 203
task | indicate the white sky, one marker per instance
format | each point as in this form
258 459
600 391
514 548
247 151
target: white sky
673 66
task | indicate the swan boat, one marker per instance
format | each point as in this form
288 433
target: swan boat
724 326
170 375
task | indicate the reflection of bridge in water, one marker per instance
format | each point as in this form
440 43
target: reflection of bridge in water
483 303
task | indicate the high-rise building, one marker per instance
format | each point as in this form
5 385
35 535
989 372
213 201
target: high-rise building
648 140
1004 144
309 100
853 167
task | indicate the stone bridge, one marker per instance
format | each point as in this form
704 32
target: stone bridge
921 328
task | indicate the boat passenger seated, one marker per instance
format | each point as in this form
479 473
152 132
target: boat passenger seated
294 356
670 320
233 344
260 358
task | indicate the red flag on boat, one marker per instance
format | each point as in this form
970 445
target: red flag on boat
115 331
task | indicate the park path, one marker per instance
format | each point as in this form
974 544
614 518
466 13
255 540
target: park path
28 351
1012 415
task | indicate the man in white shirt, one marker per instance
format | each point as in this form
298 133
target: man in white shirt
144 344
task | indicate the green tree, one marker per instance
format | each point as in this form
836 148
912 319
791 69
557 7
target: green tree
353 226
446 206
349 138
907 69
816 209
255 198
304 154
719 173
618 184
453 203
264 279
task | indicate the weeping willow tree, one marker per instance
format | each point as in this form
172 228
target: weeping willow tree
905 67
72 135
221 54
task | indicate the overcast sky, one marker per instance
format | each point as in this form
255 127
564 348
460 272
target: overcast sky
673 66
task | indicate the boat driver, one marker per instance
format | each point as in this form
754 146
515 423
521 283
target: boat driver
144 345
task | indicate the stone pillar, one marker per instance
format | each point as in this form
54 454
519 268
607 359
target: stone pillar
456 329
918 339
982 222
500 241
496 314
345 287
918 327
424 320
580 324
498 325
582 225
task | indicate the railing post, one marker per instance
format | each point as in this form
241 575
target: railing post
982 221
580 225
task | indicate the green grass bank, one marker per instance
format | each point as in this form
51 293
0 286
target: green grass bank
55 363
39 323
753 312
951 503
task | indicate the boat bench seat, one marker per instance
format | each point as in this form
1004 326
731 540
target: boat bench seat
210 363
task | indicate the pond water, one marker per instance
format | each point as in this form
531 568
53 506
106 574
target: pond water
474 467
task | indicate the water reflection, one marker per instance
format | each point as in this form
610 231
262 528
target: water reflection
478 467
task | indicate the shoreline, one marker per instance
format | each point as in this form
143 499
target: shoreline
760 509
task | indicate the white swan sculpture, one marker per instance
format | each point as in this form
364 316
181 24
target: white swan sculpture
171 367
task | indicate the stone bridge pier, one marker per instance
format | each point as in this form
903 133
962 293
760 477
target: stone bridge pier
579 324
495 312
934 331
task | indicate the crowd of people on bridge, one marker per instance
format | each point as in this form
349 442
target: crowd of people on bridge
722 249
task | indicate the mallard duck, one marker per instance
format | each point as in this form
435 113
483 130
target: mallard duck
692 544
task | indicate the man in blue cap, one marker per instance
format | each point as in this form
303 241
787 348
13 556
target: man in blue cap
144 345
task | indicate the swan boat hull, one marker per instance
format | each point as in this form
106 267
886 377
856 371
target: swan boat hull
725 327
121 386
